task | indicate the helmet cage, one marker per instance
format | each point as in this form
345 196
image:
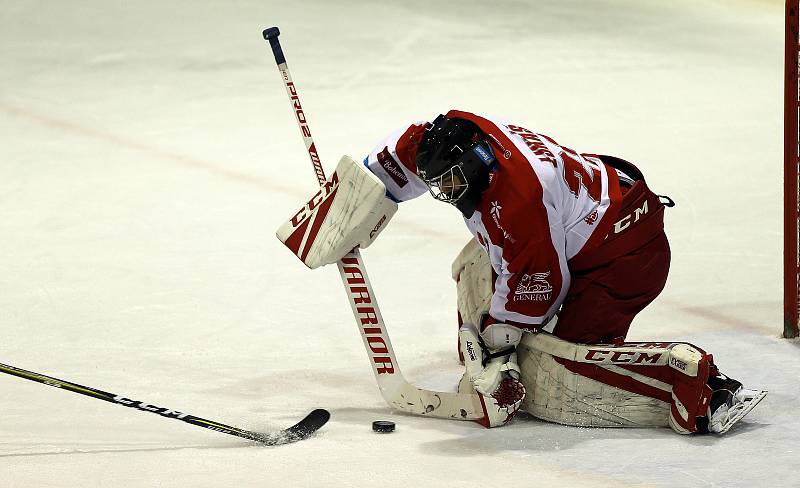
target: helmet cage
454 161
453 183
449 186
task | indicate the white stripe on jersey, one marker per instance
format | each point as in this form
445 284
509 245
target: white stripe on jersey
573 211
573 214
498 308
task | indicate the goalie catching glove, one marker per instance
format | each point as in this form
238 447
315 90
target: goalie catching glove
348 211
492 371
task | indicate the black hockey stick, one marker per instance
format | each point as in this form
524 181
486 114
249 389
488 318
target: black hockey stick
301 430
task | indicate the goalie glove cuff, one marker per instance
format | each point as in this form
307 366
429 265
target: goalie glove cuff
495 379
501 336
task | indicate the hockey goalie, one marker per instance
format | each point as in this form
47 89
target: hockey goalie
567 249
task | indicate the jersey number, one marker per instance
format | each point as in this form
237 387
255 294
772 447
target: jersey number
577 175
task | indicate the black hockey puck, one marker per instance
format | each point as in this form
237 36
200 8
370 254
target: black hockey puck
383 426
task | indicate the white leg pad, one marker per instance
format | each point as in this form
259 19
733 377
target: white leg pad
473 275
558 395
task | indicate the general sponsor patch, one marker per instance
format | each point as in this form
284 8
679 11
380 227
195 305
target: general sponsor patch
534 287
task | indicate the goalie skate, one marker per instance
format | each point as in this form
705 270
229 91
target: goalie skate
735 408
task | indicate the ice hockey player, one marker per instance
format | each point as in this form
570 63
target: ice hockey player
567 246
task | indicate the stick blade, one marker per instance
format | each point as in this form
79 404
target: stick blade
299 431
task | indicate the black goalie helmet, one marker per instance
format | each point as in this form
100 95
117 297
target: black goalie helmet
454 160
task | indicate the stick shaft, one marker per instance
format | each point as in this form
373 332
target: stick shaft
351 267
395 390
127 402
271 35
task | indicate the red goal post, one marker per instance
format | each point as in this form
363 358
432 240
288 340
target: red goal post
791 164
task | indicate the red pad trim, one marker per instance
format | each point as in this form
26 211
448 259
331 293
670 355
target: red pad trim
318 220
294 240
661 373
484 421
615 379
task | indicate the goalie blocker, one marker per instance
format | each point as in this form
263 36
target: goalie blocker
349 210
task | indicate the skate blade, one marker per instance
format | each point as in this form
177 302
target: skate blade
739 410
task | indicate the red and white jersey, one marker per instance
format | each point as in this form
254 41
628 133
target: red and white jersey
545 205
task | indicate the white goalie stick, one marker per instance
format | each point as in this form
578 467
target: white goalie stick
394 388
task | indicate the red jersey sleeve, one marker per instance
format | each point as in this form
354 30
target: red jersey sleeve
393 162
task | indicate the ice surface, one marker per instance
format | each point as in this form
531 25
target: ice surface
148 154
